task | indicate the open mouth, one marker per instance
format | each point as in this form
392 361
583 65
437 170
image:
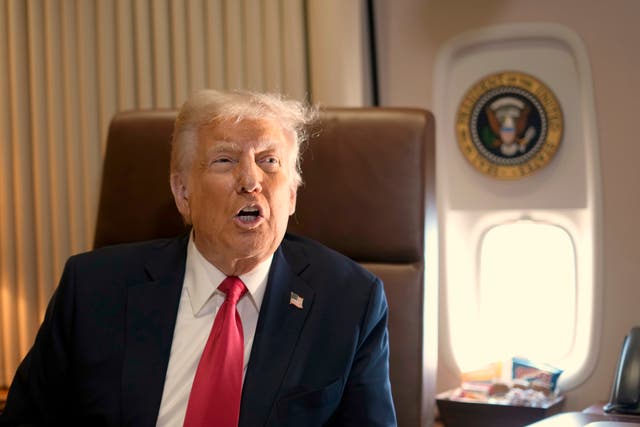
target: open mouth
249 214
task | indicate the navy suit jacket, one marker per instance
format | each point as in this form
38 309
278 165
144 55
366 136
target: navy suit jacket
101 354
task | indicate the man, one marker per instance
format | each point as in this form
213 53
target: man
233 324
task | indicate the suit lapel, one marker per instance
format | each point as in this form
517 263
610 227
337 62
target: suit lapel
279 325
151 314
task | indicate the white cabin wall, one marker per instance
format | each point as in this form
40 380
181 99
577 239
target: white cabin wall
409 34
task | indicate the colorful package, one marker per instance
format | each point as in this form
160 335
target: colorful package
539 374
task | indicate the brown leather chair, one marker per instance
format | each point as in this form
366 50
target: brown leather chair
368 193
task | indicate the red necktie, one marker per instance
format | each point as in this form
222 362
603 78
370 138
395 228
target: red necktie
217 386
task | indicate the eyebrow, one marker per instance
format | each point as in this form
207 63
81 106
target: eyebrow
222 145
232 146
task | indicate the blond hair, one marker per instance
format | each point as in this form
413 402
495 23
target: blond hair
208 106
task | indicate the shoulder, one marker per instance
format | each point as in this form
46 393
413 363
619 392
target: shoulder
125 250
327 270
123 259
299 249
100 278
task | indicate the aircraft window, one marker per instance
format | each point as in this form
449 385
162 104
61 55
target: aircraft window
527 291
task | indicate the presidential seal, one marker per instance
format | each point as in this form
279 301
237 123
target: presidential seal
509 125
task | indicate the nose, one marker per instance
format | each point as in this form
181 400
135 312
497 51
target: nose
249 180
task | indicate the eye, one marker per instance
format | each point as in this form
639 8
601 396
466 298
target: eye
222 160
269 163
270 160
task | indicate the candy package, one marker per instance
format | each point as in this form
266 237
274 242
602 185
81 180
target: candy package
540 376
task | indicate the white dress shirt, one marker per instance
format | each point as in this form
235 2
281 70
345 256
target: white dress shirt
199 303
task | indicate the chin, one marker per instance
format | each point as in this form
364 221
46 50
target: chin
257 241
251 247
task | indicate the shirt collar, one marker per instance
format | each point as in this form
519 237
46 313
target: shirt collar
203 278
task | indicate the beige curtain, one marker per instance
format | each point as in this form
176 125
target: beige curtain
66 66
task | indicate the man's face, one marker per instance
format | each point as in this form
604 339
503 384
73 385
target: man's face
239 192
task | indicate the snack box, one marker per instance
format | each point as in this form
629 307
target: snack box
467 413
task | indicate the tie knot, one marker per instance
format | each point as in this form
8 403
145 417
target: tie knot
233 287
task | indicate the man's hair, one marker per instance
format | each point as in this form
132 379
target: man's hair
207 106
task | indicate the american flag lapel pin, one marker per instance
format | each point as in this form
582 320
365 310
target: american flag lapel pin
296 300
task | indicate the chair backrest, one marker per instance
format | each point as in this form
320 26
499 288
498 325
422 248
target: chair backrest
368 193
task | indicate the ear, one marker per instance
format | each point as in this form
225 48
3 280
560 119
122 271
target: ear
180 191
293 197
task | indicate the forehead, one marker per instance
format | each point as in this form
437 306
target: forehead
245 133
